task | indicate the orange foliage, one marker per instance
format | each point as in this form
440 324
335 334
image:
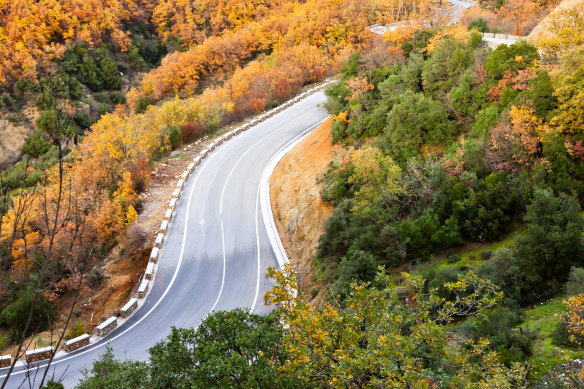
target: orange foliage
34 33
328 27
358 86
193 22
575 315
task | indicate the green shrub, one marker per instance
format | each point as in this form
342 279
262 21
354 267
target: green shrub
503 270
35 145
357 265
109 73
513 344
83 120
6 101
78 329
142 104
445 66
101 97
416 121
575 284
103 108
479 24
53 385
117 98
174 136
15 315
506 57
441 276
551 245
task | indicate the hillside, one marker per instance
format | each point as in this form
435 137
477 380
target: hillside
434 222
103 105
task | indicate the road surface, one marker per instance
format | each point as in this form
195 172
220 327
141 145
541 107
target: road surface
216 252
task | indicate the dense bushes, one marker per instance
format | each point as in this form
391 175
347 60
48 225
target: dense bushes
513 343
96 69
551 245
228 349
16 313
471 132
415 121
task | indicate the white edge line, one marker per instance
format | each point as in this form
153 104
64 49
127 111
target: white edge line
265 202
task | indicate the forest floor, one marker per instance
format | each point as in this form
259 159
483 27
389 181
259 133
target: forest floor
298 209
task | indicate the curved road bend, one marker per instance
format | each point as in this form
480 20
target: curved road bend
217 250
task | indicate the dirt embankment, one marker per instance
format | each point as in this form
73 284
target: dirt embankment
298 208
14 132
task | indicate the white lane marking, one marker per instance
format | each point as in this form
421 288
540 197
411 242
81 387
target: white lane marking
283 127
224 269
109 340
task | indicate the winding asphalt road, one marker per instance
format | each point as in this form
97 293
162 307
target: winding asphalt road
217 250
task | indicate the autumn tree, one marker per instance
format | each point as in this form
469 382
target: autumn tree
564 30
389 338
45 230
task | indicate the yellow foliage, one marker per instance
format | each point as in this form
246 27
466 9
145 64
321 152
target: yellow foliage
131 215
564 29
459 33
403 32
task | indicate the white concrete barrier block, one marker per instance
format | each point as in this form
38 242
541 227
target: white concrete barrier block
78 342
39 354
149 271
154 254
106 326
164 225
130 307
176 193
168 214
191 166
159 239
185 174
143 288
5 361
180 183
172 203
197 160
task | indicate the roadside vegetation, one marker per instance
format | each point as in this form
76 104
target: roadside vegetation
110 99
451 146
454 257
